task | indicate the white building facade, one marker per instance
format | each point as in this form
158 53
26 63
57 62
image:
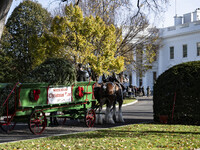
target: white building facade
180 43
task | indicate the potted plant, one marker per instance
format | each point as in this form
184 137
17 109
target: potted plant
163 118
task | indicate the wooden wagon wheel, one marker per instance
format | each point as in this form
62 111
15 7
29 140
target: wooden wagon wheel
37 122
90 118
7 127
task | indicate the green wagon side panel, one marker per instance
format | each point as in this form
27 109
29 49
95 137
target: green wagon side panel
25 91
87 88
26 104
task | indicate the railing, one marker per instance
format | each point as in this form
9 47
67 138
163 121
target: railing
9 117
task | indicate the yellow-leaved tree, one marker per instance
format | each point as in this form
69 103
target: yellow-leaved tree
86 40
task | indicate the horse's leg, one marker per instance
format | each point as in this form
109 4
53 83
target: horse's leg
97 115
100 118
114 111
106 113
109 114
120 117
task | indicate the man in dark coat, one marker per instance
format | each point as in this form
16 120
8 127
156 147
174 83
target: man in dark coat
143 94
81 74
148 91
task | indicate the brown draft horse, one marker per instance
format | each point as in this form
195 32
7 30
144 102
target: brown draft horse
109 93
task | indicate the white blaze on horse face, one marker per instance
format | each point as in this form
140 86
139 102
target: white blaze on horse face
104 87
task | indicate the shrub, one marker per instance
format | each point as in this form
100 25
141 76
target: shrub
55 71
179 86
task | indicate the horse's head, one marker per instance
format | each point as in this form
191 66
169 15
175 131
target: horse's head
104 89
108 88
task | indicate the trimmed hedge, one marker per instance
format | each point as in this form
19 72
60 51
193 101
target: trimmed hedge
178 88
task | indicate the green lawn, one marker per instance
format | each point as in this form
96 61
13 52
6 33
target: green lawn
128 100
137 136
125 101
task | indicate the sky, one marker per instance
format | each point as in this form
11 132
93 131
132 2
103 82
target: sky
166 20
182 7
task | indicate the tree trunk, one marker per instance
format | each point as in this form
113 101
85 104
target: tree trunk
4 8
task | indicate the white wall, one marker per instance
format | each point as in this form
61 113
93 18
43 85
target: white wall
176 36
190 36
134 81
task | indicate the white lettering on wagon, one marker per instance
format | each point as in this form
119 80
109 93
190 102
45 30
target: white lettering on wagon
59 95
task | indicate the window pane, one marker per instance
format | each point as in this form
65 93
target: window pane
140 82
172 52
184 50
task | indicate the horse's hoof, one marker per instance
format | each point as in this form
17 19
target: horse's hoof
120 118
121 121
111 121
100 120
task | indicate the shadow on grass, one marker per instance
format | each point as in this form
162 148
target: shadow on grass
141 133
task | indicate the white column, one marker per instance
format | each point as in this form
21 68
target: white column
144 79
134 81
159 62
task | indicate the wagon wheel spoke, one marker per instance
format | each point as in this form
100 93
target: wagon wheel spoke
89 121
37 122
37 128
34 128
90 118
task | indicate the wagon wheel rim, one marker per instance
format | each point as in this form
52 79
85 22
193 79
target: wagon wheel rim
90 118
37 122
8 126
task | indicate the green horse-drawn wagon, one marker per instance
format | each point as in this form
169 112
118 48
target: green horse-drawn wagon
36 103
